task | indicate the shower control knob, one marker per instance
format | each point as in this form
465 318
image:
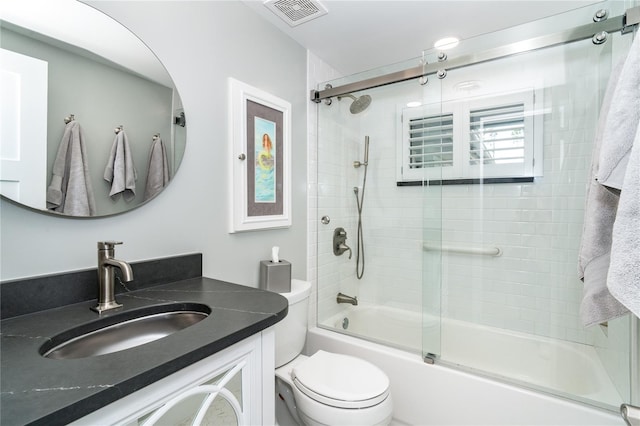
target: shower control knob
325 220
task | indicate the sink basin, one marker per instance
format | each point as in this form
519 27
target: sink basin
124 330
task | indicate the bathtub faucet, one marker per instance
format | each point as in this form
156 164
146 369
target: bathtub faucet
343 298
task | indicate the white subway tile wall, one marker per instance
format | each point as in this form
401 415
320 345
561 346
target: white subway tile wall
533 286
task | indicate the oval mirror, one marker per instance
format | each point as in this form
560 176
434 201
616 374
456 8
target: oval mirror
92 124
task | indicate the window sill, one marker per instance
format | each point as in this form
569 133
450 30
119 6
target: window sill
466 181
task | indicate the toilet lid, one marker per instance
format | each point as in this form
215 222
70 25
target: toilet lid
341 380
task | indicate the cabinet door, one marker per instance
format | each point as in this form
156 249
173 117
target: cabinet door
233 386
219 401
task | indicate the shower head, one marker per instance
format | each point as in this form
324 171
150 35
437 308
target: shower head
359 104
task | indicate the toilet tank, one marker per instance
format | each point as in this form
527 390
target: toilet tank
291 332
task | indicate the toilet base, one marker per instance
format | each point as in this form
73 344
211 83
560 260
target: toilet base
286 410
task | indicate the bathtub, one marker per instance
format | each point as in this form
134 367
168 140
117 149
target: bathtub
440 395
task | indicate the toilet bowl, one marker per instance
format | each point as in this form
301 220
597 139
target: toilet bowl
325 388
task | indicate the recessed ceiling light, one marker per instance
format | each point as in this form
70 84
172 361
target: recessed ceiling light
414 104
467 86
446 43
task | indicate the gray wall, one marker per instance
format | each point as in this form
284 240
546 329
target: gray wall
201 44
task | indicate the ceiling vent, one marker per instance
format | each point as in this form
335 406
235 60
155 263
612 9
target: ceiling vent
296 12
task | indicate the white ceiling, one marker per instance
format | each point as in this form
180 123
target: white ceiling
358 35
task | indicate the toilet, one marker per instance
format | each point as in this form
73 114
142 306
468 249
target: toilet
324 388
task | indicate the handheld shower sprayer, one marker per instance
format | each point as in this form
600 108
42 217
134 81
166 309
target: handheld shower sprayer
359 203
366 150
365 163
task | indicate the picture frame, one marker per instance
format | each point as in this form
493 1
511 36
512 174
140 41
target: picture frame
260 155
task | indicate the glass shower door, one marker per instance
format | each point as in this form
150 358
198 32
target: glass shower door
377 210
428 142
511 224
432 274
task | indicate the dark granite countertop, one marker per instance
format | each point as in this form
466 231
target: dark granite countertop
38 390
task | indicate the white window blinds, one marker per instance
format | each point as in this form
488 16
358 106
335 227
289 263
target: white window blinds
497 135
473 138
431 141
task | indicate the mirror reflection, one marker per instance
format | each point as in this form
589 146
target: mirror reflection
92 124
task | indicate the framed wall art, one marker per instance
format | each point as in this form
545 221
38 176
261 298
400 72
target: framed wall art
261 159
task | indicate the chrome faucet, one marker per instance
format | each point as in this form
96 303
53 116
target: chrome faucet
343 298
106 276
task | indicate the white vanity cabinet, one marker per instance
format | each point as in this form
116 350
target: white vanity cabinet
233 386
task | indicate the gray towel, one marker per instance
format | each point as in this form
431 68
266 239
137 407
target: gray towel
120 171
600 212
623 280
622 122
158 174
70 191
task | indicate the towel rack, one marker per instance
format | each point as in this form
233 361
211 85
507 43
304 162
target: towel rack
484 251
69 118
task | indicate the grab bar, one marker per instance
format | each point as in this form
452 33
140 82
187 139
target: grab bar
484 251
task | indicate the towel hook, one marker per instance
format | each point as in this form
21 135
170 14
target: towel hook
156 136
180 120
118 129
69 118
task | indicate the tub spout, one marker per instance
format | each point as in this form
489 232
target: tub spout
343 298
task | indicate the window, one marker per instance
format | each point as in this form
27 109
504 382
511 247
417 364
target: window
431 141
497 135
491 137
